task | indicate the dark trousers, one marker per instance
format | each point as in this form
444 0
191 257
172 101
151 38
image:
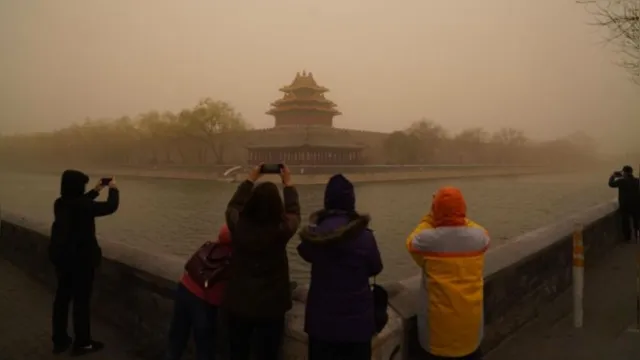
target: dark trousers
324 350
476 355
262 337
628 218
192 313
75 284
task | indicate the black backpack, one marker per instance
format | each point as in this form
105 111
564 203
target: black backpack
209 264
380 305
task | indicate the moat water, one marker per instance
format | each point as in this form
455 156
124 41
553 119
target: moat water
176 216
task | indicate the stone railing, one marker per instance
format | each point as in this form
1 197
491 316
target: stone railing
134 288
521 276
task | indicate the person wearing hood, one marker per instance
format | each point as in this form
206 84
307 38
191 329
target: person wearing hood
75 253
258 293
449 249
628 199
343 254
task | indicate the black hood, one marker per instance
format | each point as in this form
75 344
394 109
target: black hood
73 184
339 194
322 227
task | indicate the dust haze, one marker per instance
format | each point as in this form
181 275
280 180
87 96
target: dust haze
532 65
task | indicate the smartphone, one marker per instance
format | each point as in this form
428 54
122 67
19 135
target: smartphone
271 168
105 181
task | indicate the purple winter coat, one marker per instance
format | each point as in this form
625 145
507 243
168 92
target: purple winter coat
343 254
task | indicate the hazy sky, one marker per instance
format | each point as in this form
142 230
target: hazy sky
530 64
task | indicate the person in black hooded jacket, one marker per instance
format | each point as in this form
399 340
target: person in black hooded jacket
628 199
75 253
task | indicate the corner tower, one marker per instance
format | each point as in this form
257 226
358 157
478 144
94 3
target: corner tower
303 104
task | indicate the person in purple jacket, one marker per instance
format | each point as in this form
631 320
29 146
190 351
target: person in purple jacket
343 255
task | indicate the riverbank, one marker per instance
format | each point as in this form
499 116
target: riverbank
426 173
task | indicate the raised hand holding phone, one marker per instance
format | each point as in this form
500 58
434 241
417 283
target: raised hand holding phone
285 175
255 173
100 185
105 182
271 168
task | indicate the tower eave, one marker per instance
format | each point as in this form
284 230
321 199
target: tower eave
300 102
334 112
289 88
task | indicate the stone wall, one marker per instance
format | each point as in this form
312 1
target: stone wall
522 275
134 288
236 153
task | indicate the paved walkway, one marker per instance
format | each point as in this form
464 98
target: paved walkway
609 311
25 318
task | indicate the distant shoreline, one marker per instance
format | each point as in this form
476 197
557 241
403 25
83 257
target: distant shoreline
433 173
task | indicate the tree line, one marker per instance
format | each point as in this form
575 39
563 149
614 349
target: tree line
425 141
191 136
203 134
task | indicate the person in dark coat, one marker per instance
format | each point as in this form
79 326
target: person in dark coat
628 199
258 292
75 253
343 254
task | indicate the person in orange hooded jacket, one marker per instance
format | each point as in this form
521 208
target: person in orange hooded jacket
449 249
196 309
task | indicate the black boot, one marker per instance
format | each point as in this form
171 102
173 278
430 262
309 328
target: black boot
60 347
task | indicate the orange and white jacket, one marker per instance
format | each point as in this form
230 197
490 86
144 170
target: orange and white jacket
449 248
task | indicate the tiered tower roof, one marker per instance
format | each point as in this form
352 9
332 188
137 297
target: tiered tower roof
303 94
304 81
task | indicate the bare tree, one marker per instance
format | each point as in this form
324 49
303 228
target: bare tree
622 18
431 134
210 122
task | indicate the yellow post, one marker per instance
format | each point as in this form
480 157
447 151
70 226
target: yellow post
578 277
